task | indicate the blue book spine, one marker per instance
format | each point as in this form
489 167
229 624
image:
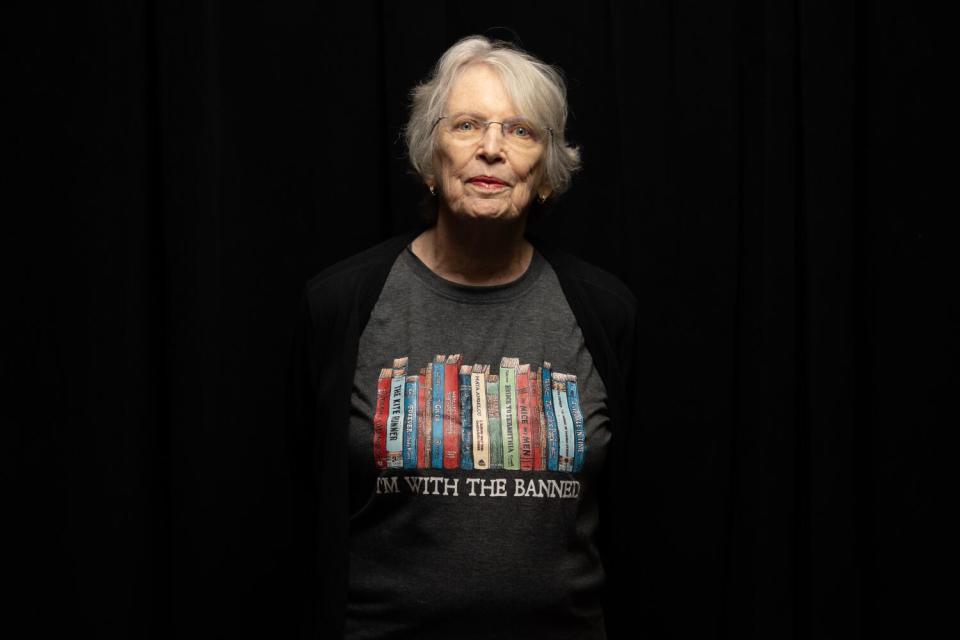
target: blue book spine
552 433
564 422
466 420
580 433
410 422
436 453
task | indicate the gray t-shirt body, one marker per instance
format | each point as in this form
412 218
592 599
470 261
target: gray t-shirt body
473 489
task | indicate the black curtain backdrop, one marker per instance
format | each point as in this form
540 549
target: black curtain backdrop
760 173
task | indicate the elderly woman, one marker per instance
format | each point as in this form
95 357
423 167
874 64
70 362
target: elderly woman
461 397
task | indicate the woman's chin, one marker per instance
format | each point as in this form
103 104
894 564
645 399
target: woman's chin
490 210
484 209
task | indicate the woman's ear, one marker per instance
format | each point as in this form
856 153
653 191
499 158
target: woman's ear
543 190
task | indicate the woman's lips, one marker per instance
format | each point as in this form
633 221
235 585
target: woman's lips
486 185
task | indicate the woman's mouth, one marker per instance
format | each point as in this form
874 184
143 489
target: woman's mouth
486 185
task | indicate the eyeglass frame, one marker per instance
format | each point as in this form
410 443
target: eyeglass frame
486 124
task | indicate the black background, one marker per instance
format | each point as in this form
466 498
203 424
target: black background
764 175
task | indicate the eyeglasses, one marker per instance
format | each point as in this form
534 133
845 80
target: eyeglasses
517 132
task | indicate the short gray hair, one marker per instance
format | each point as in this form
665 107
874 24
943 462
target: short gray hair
536 88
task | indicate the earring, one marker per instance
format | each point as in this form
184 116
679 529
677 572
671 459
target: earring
433 190
542 198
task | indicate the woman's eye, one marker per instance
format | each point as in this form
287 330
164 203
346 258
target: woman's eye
521 130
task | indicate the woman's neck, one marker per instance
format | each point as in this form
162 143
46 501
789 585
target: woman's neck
475 252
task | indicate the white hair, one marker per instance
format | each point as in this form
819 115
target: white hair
536 88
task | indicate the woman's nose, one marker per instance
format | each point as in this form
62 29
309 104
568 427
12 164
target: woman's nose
493 139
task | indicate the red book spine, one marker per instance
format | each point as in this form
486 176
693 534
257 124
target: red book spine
523 417
428 416
451 412
423 421
380 419
536 411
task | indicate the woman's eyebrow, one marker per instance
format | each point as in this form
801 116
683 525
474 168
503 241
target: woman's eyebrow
480 116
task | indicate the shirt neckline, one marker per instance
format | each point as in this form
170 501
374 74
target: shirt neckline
474 293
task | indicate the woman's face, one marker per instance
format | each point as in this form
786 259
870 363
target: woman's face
479 90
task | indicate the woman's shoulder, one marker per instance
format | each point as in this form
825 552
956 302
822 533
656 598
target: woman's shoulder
347 273
594 281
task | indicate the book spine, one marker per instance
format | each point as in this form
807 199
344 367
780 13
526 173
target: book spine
580 435
564 422
508 412
436 453
523 417
451 412
493 419
481 433
423 424
428 416
547 385
436 457
410 422
395 419
466 419
380 415
539 435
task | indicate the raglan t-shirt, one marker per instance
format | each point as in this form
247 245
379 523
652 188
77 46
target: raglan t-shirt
478 432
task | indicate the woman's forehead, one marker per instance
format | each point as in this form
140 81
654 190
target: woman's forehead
480 90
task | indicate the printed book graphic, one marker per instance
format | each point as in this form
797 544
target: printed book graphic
450 415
